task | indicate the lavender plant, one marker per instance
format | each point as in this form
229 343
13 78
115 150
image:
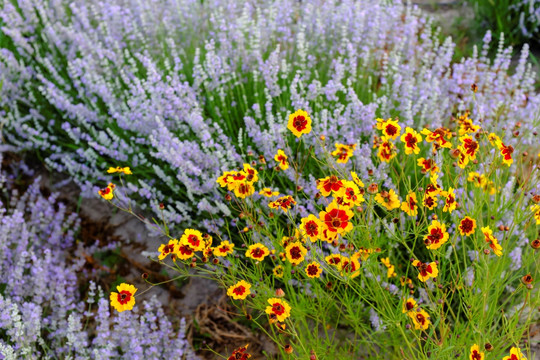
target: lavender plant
42 314
181 90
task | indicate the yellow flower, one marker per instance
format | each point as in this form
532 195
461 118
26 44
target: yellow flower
391 269
436 236
439 136
515 354
420 319
350 268
494 139
450 201
193 239
425 270
410 205
492 241
328 185
387 150
466 125
429 201
278 310
124 299
166 249
299 123
268 192
223 249
506 152
409 305
349 194
278 271
388 199
411 139
184 251
337 218
390 128
295 252
257 252
240 290
313 270
469 146
244 189
284 203
479 180
463 159
427 165
476 354
343 152
311 227
108 192
536 211
281 158
467 226
252 175
356 179
126 170
334 260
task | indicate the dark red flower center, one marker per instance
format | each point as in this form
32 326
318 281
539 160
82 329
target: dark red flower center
421 318
471 146
411 140
300 122
239 290
123 297
224 249
429 201
185 250
475 355
257 252
168 248
409 306
194 240
435 236
311 228
312 270
391 130
278 309
466 225
295 253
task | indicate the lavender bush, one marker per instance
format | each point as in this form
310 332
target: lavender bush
42 314
180 89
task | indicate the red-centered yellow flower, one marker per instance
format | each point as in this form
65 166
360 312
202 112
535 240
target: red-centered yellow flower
427 165
299 123
433 188
343 152
279 309
295 252
350 268
257 252
356 179
438 136
313 270
349 195
125 170
410 205
388 199
240 290
420 319
476 354
462 157
436 236
467 226
425 270
363 253
252 175
240 354
268 192
536 213
492 241
224 249
108 192
390 128
228 179
466 125
409 305
479 180
334 260
327 235
244 189
193 239
404 281
124 299
278 271
284 203
166 249
470 145
515 354
494 139
329 184
387 150
429 201
311 227
337 218
450 203
506 152
184 252
411 139
281 158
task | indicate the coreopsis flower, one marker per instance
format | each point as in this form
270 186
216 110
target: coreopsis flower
438 136
492 241
436 236
239 291
268 192
108 192
420 319
295 252
409 305
363 253
281 158
223 249
334 260
466 125
429 201
349 195
475 353
244 189
257 252
329 184
470 146
410 205
124 299
125 170
515 354
536 213
427 165
404 281
284 203
278 308
467 226
388 199
337 218
166 249
228 179
193 239
425 270
278 271
299 123
184 252
313 270
240 354
411 139
433 188
311 227
506 152
356 179
390 268
479 180
252 175
494 139
450 203
343 152
387 150
462 157
350 267
390 128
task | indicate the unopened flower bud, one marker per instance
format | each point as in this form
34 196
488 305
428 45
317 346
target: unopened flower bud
488 347
144 276
280 293
288 349
161 206
527 279
373 188
535 244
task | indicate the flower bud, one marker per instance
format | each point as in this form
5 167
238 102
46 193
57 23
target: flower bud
535 244
228 197
474 88
488 347
144 276
161 206
280 293
288 349
527 279
373 188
